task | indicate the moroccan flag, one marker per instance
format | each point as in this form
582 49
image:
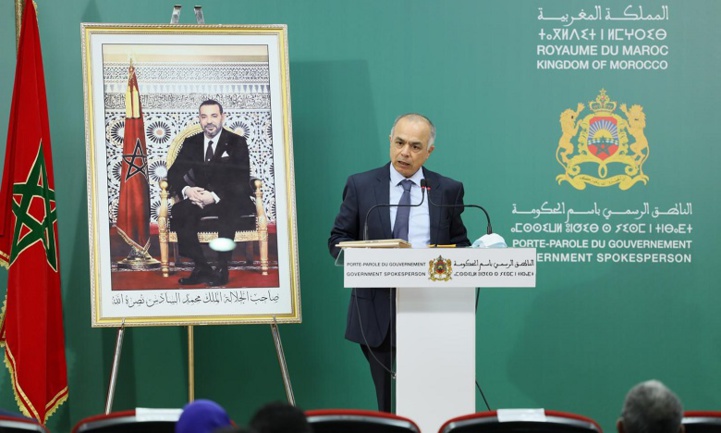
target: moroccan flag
133 221
32 317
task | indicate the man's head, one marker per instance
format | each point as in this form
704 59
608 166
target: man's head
279 417
650 407
412 138
211 117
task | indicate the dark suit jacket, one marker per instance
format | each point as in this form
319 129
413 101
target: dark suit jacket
364 190
227 174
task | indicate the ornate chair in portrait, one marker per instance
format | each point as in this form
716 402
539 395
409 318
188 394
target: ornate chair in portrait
209 231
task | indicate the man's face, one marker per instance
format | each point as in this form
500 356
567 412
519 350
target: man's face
409 145
211 120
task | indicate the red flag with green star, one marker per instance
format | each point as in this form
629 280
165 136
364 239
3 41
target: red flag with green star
133 221
32 316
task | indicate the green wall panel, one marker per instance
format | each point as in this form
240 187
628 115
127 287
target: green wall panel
577 342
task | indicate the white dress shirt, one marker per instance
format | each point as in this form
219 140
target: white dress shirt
214 146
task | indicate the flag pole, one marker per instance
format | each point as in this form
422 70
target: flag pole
19 7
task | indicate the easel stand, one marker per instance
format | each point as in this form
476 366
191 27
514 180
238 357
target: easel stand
191 339
281 361
199 19
191 365
114 372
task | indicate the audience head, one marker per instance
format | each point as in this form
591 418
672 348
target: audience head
202 416
231 429
650 407
279 417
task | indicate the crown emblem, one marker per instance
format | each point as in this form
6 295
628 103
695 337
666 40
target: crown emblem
603 148
439 269
602 103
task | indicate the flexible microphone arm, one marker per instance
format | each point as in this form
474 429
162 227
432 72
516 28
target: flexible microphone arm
355 298
489 230
423 197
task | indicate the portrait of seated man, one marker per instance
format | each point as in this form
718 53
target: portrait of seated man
210 176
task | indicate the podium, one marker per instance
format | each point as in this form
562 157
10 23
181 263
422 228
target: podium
435 318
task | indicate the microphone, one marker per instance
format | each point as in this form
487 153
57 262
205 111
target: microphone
389 205
488 240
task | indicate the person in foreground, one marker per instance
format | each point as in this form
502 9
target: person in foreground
202 416
212 176
650 407
278 417
371 312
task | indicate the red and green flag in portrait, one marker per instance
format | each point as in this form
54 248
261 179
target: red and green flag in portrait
133 222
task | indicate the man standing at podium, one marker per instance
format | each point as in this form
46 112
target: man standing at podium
391 199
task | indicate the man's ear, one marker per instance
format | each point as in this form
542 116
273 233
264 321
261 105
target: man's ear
619 425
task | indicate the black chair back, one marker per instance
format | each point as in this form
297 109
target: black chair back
11 423
550 422
702 421
131 421
358 421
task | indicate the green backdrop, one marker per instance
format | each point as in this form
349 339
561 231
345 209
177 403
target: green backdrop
577 342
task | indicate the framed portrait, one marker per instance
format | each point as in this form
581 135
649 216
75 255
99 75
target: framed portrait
191 190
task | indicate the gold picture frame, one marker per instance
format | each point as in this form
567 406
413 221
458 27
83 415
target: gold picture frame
245 67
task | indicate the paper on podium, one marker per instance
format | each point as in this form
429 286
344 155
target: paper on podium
375 243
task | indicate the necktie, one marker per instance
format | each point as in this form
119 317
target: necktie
400 229
209 151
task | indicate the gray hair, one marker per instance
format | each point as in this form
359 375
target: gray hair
417 117
650 407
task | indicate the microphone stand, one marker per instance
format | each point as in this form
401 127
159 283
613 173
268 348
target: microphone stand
365 238
389 205
489 230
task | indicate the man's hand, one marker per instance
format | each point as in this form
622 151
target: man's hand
199 196
193 193
206 198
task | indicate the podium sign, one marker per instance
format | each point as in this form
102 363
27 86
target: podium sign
440 267
436 318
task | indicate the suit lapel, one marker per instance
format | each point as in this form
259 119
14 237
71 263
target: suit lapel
197 148
381 192
435 195
220 146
